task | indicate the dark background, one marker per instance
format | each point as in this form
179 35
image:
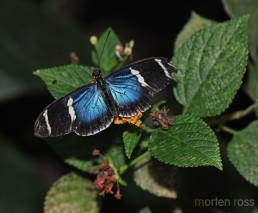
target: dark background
28 165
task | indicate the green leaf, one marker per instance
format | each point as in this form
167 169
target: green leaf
252 85
243 152
236 8
130 139
30 38
194 24
104 52
115 154
189 142
211 64
82 165
72 193
157 179
145 210
64 79
116 157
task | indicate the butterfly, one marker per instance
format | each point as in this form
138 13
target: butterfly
92 108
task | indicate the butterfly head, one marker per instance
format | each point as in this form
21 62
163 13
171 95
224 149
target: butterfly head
96 74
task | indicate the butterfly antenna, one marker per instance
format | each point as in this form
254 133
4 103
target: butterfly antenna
102 51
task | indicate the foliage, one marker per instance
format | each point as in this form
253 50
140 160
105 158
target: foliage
212 63
194 24
156 178
130 139
64 79
145 210
104 55
211 58
79 164
72 193
187 135
242 151
236 8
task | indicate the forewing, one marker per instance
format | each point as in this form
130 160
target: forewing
129 96
92 113
134 86
83 111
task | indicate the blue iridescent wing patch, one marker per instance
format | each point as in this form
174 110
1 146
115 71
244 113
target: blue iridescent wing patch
92 112
130 96
134 86
83 111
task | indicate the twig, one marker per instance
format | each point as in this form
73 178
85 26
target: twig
229 130
135 161
235 115
242 113
147 129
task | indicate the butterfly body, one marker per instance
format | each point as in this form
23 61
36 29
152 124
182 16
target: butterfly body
93 107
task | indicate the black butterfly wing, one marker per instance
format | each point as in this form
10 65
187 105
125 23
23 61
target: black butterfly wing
134 86
83 111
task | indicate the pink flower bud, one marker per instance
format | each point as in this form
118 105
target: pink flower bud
119 48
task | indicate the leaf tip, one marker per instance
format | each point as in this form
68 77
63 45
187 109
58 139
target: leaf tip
37 73
219 166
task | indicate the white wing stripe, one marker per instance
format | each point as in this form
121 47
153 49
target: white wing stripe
163 67
71 109
47 122
139 77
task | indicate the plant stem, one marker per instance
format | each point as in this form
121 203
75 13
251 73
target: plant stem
229 130
139 158
134 162
147 129
120 180
242 113
235 115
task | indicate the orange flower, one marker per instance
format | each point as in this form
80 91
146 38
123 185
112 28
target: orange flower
117 120
138 123
135 120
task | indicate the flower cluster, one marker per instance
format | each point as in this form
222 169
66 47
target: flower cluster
135 120
106 180
122 52
161 118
